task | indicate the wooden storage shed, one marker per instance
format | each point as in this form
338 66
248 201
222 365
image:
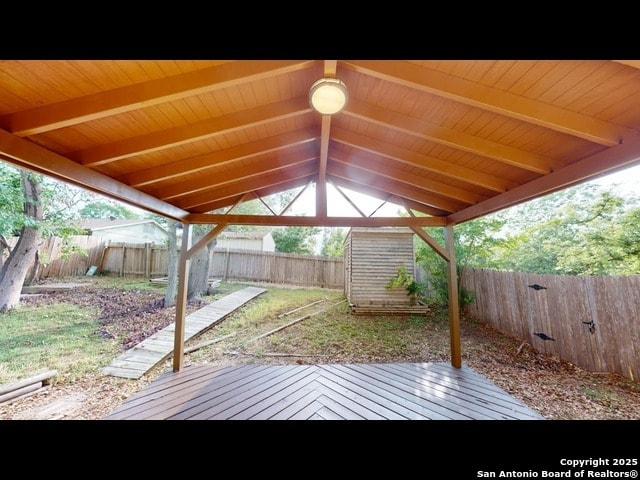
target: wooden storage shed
372 258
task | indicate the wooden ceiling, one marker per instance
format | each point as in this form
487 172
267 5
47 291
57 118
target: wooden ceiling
450 140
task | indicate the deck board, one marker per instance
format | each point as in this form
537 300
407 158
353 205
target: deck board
404 391
136 361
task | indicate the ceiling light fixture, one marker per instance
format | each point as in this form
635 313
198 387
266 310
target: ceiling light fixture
328 95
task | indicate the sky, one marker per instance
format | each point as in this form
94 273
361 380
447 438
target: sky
623 183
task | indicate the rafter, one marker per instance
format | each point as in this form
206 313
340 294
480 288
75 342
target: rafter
608 161
382 195
28 155
389 185
222 157
449 137
174 137
218 177
390 168
125 99
468 175
504 103
204 202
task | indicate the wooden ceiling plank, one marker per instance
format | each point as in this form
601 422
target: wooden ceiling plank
375 193
302 221
31 156
277 188
125 99
242 186
391 186
607 161
448 137
629 63
486 98
169 138
196 164
468 175
214 178
388 168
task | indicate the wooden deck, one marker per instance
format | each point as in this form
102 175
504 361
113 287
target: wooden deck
405 391
138 360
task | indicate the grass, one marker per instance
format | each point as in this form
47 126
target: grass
65 337
60 337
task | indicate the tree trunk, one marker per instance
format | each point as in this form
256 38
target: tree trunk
199 274
172 272
15 269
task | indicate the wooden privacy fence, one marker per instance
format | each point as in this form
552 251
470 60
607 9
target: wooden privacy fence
54 263
148 260
276 267
594 321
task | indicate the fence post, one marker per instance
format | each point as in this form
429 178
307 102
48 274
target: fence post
147 259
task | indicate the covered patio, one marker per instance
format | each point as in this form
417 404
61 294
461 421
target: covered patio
447 141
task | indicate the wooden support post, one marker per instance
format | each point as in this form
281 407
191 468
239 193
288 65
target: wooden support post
454 313
181 298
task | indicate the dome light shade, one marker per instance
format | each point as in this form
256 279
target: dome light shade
328 95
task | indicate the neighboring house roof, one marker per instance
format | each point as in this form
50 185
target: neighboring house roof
94 224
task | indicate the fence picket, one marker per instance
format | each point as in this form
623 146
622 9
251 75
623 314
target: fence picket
505 301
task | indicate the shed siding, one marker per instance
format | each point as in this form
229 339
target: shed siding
372 259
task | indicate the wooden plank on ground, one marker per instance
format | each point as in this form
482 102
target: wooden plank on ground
150 352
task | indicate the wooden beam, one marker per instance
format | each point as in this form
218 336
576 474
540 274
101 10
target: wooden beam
181 300
429 240
602 163
174 137
204 241
449 137
344 195
392 186
392 169
330 67
381 195
241 198
201 200
125 99
414 159
201 163
300 221
321 184
294 199
252 169
486 98
454 309
31 156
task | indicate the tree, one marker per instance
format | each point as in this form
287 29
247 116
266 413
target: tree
300 240
473 241
581 231
172 267
108 209
333 242
22 256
